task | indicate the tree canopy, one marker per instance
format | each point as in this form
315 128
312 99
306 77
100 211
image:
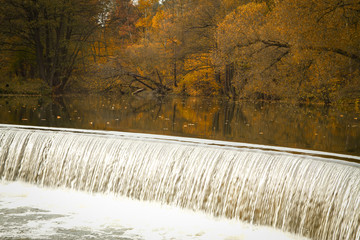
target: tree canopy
53 34
302 50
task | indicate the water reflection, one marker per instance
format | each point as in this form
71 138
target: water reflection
312 127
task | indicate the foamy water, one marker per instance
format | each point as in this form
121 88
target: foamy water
28 211
314 194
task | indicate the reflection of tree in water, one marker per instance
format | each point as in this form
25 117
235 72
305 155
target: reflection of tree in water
115 113
38 111
174 117
151 106
24 110
312 127
55 110
216 122
240 117
228 111
223 118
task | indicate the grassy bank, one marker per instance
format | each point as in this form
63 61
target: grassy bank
23 87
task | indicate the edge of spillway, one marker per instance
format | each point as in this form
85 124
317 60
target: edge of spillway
319 155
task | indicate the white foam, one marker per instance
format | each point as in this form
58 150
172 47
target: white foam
96 214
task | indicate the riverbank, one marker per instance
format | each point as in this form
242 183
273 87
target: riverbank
36 87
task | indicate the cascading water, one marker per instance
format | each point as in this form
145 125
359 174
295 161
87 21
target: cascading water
308 195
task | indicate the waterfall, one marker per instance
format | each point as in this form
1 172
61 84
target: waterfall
314 196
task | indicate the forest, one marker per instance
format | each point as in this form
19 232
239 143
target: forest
289 50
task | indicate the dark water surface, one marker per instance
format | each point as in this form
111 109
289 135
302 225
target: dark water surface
331 129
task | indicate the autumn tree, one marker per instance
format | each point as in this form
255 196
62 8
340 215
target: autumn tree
240 44
177 43
118 29
307 50
53 33
324 44
198 22
145 63
263 49
260 49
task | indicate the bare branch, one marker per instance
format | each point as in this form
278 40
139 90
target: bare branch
278 59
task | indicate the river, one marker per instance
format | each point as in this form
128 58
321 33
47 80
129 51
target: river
102 167
315 127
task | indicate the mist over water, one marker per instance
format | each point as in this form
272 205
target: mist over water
298 193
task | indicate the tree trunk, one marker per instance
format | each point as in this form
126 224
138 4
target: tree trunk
175 80
40 55
229 75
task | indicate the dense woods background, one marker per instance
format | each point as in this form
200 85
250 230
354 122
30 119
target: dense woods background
302 50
